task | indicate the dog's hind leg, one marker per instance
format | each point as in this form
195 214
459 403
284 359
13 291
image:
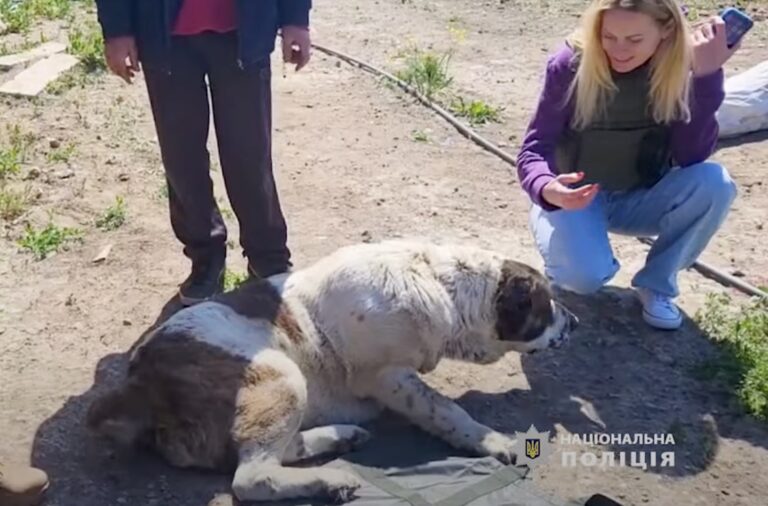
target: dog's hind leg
261 477
267 421
323 441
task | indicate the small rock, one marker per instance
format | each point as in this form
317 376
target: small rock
338 64
725 492
33 173
366 235
65 174
665 359
123 177
739 274
122 500
55 143
70 300
127 323
759 226
103 254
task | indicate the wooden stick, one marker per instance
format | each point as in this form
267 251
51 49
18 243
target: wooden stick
701 267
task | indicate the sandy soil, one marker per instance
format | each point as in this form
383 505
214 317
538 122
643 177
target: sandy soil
350 170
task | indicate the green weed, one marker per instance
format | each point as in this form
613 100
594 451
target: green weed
42 242
742 338
427 72
233 280
114 216
476 111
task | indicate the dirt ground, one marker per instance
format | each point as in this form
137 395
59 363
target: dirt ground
349 170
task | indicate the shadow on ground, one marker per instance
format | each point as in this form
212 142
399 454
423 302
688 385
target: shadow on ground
619 376
86 472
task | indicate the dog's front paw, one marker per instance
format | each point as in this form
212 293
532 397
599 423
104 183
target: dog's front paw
340 486
499 446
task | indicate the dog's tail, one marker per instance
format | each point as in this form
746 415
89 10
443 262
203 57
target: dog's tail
123 415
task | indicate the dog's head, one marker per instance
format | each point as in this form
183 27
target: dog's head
528 318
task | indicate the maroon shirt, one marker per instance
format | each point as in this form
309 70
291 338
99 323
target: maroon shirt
198 16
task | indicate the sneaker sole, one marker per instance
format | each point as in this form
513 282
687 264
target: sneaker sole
662 324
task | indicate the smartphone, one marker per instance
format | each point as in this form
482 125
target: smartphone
737 23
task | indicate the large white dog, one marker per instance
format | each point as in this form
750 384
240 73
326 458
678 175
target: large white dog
280 371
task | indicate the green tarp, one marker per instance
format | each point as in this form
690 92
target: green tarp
402 466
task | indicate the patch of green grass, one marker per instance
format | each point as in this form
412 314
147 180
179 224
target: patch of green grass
427 72
233 280
420 136
742 338
476 111
13 153
42 242
114 216
12 203
19 15
87 43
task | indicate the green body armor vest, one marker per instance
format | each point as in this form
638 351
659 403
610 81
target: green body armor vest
626 148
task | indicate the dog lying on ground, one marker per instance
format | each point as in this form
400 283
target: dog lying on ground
283 370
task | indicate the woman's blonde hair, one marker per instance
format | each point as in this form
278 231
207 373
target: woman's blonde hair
670 65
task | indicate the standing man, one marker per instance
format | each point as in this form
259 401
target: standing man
178 44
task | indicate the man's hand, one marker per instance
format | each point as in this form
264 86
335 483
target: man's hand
122 57
558 194
296 45
710 48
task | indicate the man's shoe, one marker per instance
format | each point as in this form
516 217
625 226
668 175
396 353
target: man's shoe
659 311
22 485
203 282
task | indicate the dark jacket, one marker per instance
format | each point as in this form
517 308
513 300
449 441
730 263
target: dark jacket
151 22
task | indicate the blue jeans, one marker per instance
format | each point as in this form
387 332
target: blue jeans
684 209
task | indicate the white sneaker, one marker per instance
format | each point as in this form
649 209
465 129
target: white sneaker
659 311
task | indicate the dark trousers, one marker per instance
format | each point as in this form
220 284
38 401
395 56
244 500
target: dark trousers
241 100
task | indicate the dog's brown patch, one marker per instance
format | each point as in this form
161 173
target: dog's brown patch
523 302
259 299
265 405
194 402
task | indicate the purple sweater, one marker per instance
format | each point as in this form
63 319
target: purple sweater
691 142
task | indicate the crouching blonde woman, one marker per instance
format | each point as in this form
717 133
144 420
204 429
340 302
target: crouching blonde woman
619 142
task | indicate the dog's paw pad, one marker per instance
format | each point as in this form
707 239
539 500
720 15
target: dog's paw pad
342 488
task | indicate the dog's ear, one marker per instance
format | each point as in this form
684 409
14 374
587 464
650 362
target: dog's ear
523 303
513 305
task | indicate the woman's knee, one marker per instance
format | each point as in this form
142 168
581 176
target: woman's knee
714 184
583 279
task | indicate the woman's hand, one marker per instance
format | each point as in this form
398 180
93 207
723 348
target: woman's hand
710 49
558 194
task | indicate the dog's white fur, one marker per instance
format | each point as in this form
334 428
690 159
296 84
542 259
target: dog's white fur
364 321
